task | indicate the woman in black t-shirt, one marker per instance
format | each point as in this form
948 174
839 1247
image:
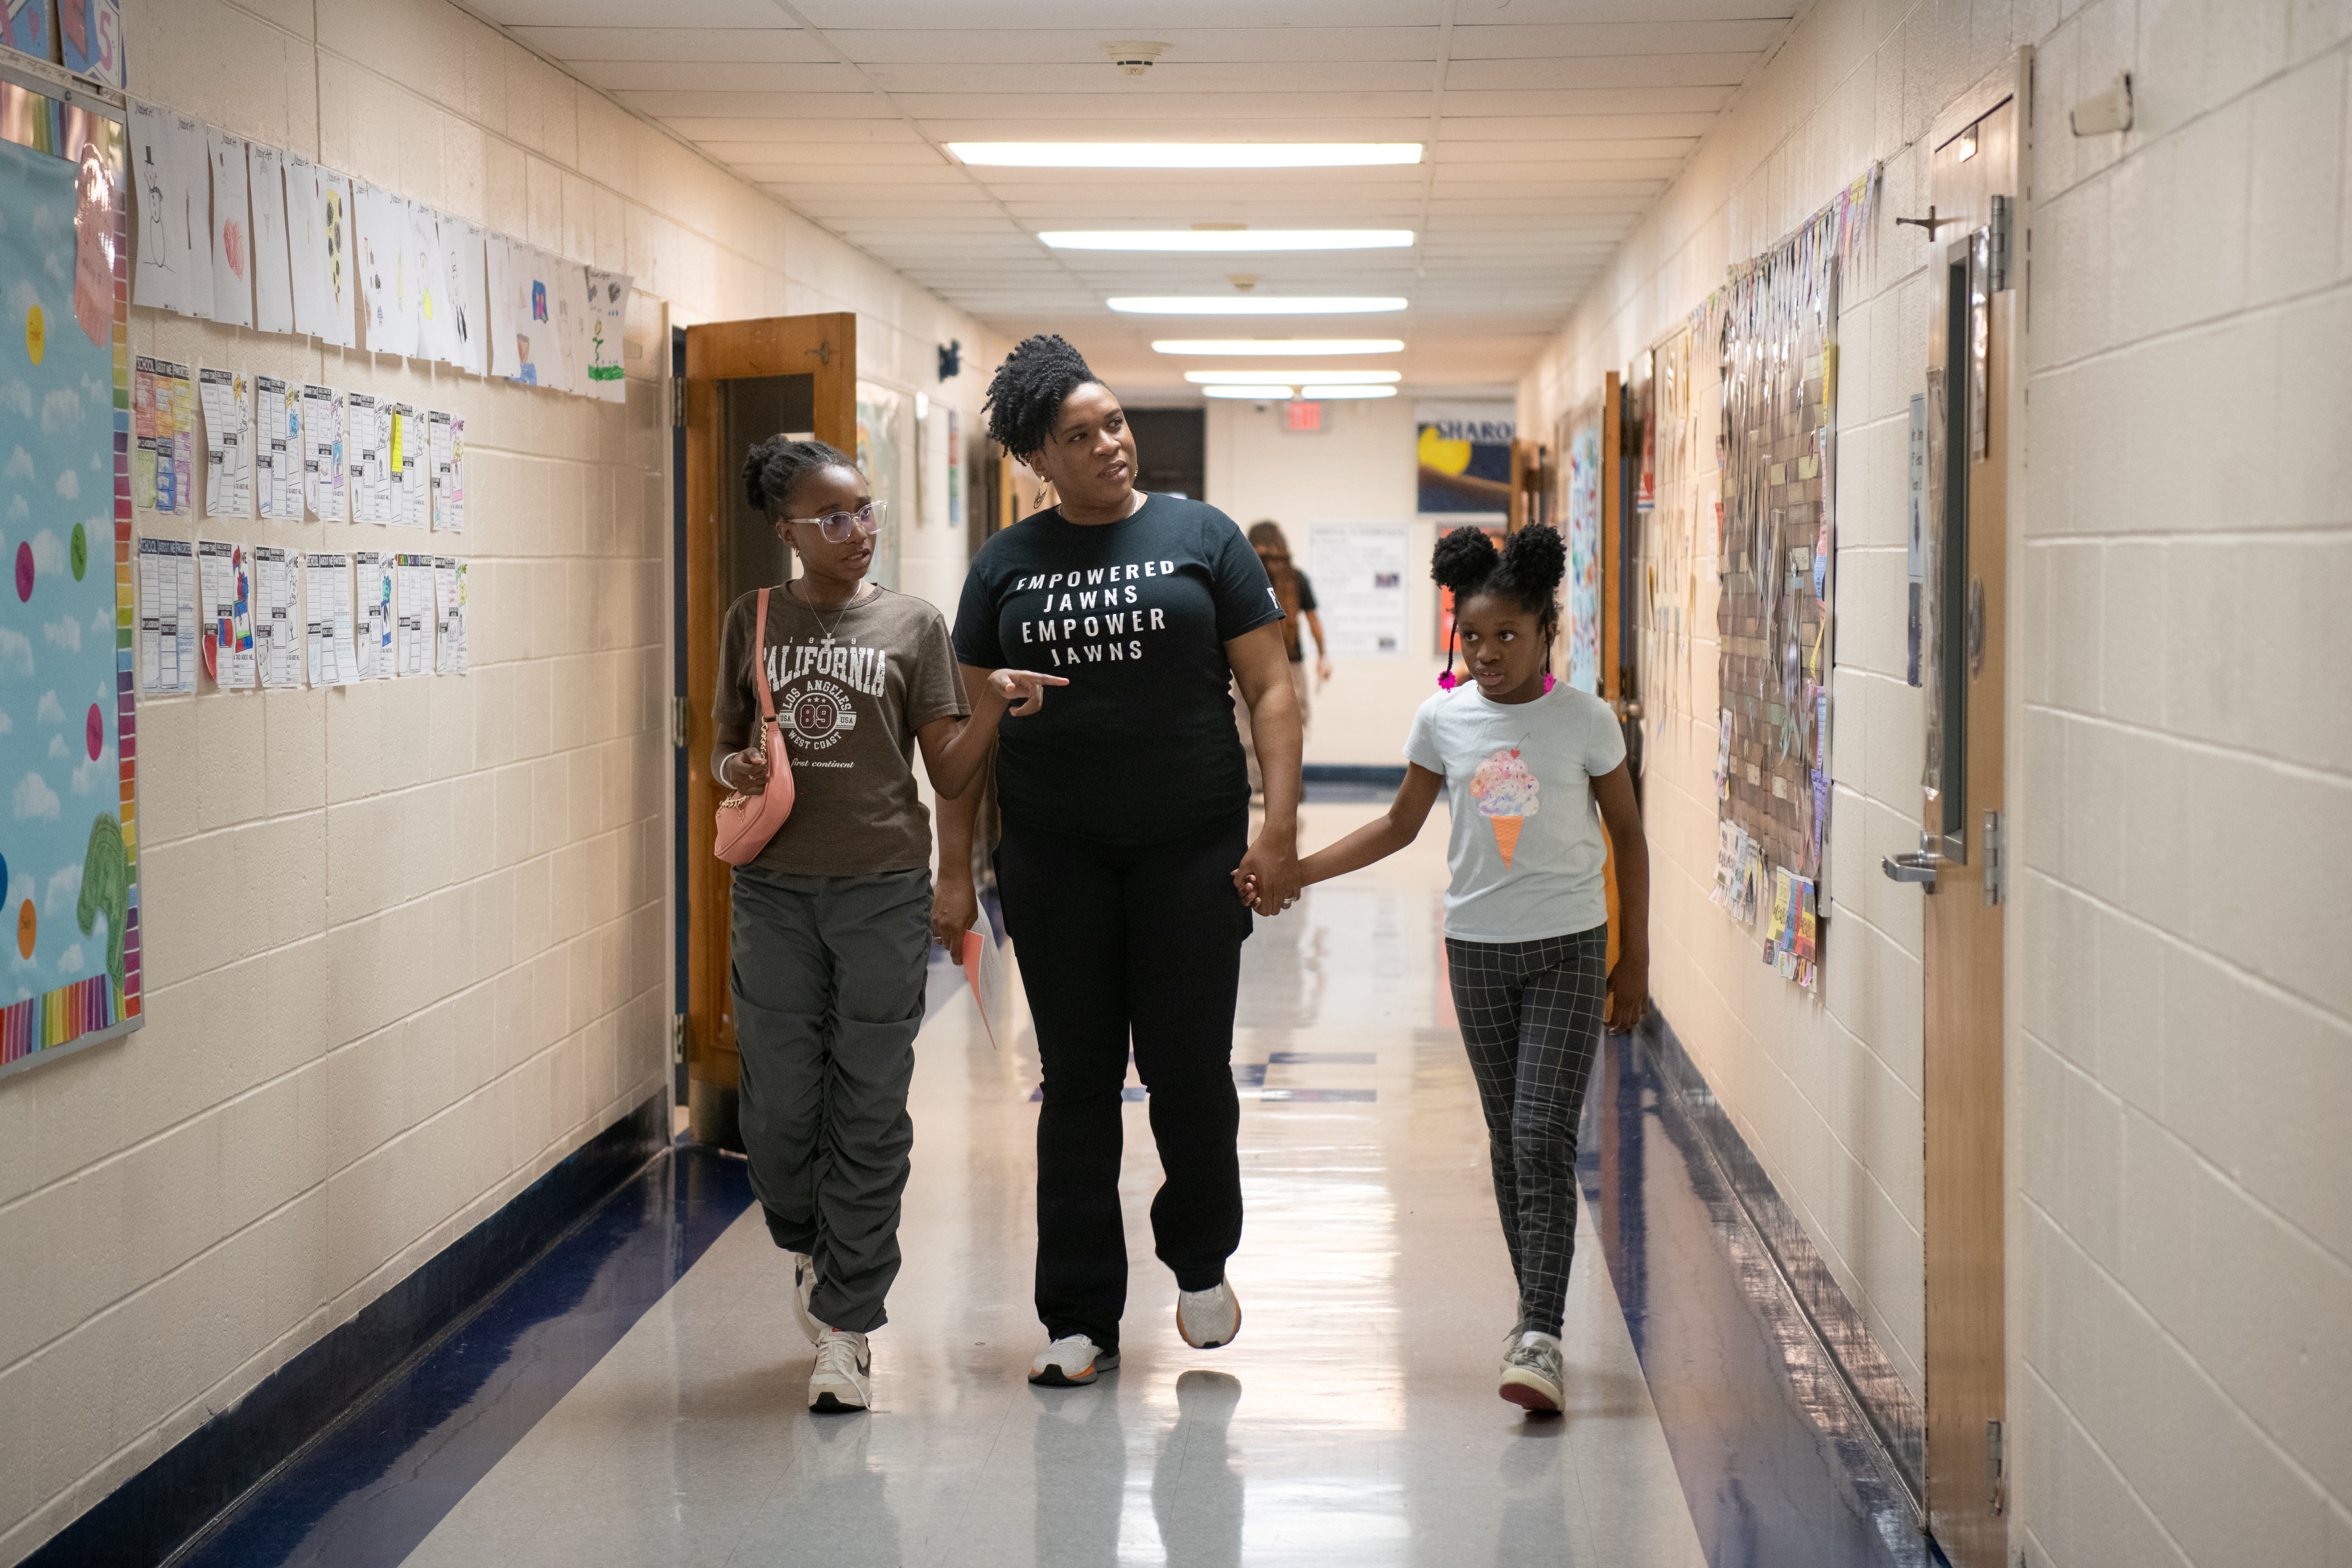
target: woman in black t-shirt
1126 817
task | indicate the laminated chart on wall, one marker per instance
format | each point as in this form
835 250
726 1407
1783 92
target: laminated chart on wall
364 439
163 438
229 443
277 450
273 278
328 628
69 850
323 489
608 313
277 630
168 635
318 237
1776 557
417 611
373 613
231 229
449 591
448 453
170 182
225 580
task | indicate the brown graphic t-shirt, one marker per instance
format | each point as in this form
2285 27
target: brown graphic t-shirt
848 701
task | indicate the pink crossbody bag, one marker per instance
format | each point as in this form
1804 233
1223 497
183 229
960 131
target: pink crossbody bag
746 822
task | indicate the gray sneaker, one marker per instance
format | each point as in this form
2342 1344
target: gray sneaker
1532 1374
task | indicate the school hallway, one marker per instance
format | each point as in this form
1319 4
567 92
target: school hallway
638 1397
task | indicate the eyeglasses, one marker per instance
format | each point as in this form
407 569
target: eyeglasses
837 525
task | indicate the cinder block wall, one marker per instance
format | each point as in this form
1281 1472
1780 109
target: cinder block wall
407 943
2180 1004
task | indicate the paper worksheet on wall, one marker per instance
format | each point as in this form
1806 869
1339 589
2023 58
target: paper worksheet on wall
273 278
319 243
229 443
232 229
170 181
449 574
387 291
277 617
373 613
465 250
363 437
448 453
167 617
416 613
227 582
407 461
498 279
163 437
277 450
327 623
437 337
323 491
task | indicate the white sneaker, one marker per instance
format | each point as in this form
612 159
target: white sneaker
840 1381
1070 1362
1532 1372
804 1287
1210 1318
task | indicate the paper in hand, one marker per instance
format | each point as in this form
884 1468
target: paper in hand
984 968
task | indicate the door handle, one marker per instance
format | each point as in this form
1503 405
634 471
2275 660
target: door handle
1911 867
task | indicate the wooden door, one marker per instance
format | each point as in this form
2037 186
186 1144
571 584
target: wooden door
1974 180
745 381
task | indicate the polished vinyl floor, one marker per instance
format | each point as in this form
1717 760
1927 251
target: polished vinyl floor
638 1397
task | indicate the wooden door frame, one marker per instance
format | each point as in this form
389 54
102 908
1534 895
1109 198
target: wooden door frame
1968 1089
824 346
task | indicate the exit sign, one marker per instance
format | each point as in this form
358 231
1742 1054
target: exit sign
1303 415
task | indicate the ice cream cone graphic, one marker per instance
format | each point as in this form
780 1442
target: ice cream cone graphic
1504 788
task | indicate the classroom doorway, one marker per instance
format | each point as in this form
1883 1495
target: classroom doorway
741 382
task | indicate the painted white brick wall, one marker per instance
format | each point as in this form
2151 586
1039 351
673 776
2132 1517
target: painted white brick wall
2180 1004
406 942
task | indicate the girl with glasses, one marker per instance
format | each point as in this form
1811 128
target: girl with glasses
832 922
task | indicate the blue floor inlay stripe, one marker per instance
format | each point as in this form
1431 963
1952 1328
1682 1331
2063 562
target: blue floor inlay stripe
1777 1463
375 1485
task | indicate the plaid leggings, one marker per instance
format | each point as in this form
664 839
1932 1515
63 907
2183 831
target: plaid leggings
1531 1013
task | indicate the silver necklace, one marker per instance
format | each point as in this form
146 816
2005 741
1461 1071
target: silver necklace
846 606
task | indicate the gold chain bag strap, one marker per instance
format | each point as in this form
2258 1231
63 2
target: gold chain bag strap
746 822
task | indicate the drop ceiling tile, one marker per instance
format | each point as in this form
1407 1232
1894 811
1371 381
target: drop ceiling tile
1084 46
1557 153
1173 79
1616 72
1543 130
1587 40
1465 102
1118 18
773 43
860 155
818 129
1475 13
787 106
678 15
717 76
1097 112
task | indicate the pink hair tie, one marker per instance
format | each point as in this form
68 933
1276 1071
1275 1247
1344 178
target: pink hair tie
1550 680
1446 683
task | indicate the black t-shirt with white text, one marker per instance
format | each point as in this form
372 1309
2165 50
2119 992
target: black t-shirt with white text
1141 746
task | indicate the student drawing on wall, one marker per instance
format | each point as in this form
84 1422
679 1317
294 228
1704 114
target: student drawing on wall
154 206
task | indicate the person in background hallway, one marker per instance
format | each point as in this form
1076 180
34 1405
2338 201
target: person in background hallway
831 922
1523 760
1126 814
1295 595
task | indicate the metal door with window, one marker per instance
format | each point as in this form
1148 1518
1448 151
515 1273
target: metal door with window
1973 185
744 382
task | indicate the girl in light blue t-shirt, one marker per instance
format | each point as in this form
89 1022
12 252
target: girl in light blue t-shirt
1524 761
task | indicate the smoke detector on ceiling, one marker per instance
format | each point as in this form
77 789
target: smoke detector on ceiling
1134 56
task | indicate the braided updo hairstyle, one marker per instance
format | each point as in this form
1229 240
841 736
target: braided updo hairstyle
1027 391
775 466
1528 571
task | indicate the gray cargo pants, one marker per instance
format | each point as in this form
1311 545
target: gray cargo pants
828 992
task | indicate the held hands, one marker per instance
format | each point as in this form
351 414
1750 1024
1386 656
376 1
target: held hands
1025 688
1267 879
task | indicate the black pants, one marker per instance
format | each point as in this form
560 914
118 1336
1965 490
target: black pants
1530 1014
1120 943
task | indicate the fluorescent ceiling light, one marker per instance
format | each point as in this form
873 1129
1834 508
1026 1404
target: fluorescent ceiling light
1227 239
1322 394
1291 377
1310 394
1252 305
1278 347
1255 394
1186 154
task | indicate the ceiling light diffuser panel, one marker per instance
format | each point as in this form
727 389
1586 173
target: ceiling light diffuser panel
1186 154
1227 239
1252 305
1292 377
1278 347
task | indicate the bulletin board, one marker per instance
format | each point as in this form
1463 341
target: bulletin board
1777 563
69 839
